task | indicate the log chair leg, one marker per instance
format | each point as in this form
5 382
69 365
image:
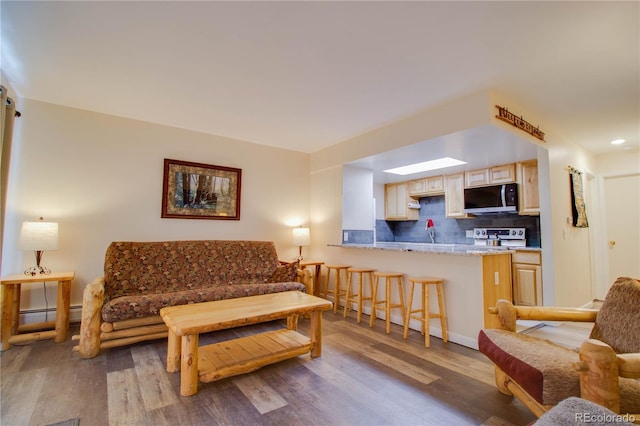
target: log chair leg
501 381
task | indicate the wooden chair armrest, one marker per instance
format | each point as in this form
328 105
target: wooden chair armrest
599 374
548 313
629 365
508 313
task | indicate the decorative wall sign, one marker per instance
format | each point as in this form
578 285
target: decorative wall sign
519 122
200 191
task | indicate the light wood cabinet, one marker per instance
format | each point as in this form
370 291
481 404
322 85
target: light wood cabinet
527 278
396 202
505 173
496 284
433 185
528 198
454 196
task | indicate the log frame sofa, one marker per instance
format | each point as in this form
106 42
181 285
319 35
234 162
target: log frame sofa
123 306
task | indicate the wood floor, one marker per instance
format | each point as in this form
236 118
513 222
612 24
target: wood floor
364 377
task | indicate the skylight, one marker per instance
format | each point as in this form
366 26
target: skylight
425 166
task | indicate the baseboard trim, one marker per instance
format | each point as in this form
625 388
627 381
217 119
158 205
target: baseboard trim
30 316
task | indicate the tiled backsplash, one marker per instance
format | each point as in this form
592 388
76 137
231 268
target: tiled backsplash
446 230
453 230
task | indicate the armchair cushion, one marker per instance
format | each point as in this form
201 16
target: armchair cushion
577 410
543 369
617 322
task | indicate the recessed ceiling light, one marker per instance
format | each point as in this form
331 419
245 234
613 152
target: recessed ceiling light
425 166
617 142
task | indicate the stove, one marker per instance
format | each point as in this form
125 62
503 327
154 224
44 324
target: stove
509 237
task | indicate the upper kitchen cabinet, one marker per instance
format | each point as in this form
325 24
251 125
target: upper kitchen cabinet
528 197
424 187
396 202
495 175
454 196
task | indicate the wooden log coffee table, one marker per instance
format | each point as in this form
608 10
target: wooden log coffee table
245 354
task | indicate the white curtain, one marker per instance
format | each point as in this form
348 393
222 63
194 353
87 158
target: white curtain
8 113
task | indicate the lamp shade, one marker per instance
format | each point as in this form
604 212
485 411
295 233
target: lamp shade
301 237
39 236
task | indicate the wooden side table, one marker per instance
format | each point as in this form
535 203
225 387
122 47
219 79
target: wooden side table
11 287
316 276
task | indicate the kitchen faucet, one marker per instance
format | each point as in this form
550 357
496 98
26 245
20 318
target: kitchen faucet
430 231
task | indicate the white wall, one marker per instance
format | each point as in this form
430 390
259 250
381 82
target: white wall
357 191
100 177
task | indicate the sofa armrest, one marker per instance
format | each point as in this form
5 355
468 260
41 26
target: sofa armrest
92 300
508 313
304 276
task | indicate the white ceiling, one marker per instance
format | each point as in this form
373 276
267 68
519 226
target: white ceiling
307 75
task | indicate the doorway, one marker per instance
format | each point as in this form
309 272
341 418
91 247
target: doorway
622 220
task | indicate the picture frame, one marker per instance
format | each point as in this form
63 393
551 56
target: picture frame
200 191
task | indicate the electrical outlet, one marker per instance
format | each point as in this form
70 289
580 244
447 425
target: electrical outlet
345 236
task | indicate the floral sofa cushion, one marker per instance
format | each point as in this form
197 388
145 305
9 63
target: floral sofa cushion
283 273
129 307
140 268
140 278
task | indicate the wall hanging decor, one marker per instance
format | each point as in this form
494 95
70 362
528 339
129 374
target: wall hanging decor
578 207
200 191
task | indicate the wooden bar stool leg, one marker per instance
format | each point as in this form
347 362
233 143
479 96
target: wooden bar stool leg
407 317
399 280
347 295
374 298
442 314
387 304
423 310
426 315
359 298
337 290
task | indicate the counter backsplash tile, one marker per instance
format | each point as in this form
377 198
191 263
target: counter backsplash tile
451 231
356 236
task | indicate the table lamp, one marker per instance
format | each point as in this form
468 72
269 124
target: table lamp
39 236
301 238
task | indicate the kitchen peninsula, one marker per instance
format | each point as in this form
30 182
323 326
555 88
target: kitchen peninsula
474 278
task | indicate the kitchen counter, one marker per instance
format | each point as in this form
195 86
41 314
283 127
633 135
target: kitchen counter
454 249
474 278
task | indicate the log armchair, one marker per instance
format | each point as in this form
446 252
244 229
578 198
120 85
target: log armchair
606 370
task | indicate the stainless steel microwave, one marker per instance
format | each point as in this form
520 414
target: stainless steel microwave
491 199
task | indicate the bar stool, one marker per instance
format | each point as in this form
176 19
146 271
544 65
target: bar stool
425 314
338 291
389 277
357 297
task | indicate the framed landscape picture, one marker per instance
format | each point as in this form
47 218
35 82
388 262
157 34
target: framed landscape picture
200 191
